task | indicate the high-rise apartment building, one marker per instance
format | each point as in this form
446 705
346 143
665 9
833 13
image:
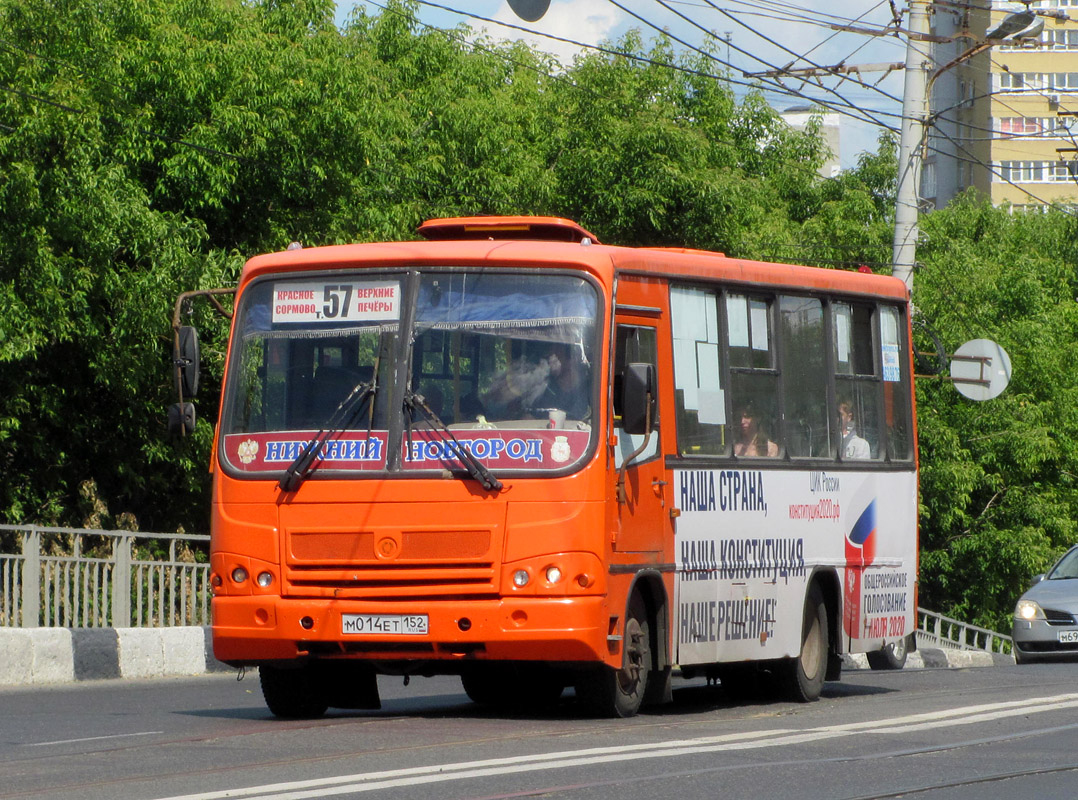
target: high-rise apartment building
798 117
1005 117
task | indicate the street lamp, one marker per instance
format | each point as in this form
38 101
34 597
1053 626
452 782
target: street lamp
530 10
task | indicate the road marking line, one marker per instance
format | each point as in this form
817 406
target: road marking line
414 776
91 739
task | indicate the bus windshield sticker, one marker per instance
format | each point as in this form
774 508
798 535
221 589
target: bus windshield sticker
712 410
842 334
758 317
539 449
737 321
307 301
889 345
267 452
517 449
891 372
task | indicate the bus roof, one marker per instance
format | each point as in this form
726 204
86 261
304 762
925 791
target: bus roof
551 242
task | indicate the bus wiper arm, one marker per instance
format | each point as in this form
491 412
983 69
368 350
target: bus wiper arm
341 418
476 468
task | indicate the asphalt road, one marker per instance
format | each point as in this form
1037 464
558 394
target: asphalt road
1004 732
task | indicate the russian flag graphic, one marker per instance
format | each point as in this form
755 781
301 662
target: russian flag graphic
860 552
861 539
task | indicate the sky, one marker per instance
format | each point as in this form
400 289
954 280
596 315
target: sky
762 35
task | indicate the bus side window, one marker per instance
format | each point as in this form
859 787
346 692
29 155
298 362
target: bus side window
804 378
698 383
896 386
754 377
633 345
857 383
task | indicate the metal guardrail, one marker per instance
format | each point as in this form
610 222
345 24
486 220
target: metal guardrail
936 630
84 578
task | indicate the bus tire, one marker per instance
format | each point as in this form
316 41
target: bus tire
610 692
483 688
806 672
294 693
890 656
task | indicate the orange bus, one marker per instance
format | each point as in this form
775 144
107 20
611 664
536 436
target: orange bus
511 453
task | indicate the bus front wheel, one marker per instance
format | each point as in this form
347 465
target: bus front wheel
610 692
294 692
806 672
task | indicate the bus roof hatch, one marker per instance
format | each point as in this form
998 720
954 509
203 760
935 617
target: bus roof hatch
551 229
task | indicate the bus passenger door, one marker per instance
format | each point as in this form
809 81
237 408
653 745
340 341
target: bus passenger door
645 499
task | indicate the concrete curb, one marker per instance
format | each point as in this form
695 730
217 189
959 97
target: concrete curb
38 656
937 658
34 656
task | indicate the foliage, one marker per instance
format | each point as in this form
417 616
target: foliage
999 495
853 222
149 145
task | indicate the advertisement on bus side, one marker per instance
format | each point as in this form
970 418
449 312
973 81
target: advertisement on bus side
747 542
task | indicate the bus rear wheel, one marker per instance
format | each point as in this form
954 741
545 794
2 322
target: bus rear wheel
891 656
294 692
806 672
610 692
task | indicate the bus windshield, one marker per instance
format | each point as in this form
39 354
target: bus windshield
500 363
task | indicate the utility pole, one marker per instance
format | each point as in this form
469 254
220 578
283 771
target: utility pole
911 144
1015 27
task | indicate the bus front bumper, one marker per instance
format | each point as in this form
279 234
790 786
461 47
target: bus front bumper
253 630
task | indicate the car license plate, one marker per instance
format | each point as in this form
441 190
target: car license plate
1068 637
386 624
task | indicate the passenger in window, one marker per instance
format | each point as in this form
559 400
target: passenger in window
752 439
852 445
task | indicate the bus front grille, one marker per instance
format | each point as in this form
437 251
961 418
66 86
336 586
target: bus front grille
392 551
391 581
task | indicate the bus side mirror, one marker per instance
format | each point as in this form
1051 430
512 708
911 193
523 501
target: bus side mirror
186 360
638 398
181 419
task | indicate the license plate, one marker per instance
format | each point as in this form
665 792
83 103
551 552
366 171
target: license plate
385 624
1068 637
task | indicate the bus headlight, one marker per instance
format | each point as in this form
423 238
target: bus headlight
554 575
239 575
265 579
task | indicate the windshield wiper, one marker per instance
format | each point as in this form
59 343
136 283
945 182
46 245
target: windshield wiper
340 420
476 468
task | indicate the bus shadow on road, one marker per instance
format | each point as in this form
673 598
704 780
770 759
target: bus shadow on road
699 697
689 697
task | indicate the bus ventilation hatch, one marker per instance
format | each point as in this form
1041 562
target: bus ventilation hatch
548 229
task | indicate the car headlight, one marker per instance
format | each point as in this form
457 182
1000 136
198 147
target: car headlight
1027 610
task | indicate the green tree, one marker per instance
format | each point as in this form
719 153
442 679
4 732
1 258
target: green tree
999 495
